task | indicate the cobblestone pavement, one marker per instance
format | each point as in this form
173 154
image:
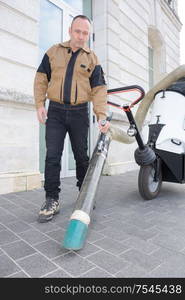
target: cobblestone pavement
127 236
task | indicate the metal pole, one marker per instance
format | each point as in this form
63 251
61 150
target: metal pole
77 228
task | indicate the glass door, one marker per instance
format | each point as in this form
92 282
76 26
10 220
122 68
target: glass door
50 33
70 9
55 19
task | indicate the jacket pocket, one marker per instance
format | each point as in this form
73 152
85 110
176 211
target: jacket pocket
84 89
85 70
54 89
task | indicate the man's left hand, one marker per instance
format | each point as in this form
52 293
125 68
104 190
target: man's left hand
103 128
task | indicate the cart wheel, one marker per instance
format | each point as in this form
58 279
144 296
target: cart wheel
148 188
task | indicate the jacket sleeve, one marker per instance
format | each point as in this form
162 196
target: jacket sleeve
98 92
41 81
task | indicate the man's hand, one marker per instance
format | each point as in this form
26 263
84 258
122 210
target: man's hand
42 114
103 125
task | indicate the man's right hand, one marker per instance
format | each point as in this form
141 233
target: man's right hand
42 114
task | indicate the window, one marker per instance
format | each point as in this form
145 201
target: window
50 26
172 4
50 33
76 4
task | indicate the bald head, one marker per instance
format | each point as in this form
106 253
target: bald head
83 17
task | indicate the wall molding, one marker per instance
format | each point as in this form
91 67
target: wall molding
11 95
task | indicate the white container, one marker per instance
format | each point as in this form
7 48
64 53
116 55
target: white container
169 109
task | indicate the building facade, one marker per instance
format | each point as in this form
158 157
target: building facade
137 42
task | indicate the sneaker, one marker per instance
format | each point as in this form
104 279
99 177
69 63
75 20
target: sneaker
49 208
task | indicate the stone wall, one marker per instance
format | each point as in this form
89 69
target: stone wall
19 138
123 32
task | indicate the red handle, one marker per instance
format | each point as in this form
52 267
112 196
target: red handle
126 89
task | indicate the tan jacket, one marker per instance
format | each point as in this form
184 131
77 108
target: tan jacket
87 80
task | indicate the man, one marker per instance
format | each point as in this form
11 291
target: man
70 75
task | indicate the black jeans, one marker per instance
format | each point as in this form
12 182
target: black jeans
63 118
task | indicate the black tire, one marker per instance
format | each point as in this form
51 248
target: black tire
148 188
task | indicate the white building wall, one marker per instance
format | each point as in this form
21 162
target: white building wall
19 139
126 46
172 40
19 40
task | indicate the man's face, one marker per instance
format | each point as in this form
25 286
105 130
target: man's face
79 32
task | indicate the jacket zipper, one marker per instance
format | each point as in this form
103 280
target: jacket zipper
76 93
61 91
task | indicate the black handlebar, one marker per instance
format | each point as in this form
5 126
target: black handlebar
127 89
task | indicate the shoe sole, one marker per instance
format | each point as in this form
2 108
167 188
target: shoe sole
44 219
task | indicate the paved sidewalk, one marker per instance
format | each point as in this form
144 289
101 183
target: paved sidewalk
127 237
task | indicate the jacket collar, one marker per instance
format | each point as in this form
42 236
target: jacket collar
67 45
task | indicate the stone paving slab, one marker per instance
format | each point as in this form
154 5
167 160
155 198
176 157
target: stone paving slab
127 236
